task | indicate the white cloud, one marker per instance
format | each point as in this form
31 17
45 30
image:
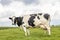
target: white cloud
1 8
20 8
16 7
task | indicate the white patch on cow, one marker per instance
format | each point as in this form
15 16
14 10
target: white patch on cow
25 20
13 19
36 21
42 26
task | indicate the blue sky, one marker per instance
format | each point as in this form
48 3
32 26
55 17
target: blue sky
10 8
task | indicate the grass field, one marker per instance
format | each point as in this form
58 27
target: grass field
36 34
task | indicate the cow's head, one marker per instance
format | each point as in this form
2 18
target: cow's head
13 19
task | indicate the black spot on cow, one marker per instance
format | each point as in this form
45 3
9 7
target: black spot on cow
33 14
46 16
39 13
38 17
31 21
18 20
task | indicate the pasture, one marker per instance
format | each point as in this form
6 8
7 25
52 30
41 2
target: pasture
10 33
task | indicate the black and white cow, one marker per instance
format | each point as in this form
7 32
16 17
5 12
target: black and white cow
32 20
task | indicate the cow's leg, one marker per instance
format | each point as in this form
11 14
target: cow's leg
25 30
48 29
20 27
43 27
28 31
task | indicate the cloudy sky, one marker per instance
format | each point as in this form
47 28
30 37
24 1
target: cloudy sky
10 8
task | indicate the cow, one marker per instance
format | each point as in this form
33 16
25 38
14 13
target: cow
39 20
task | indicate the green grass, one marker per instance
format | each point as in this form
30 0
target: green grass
36 34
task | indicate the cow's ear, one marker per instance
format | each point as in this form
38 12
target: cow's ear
10 18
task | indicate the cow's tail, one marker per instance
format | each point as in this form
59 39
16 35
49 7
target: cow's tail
49 20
